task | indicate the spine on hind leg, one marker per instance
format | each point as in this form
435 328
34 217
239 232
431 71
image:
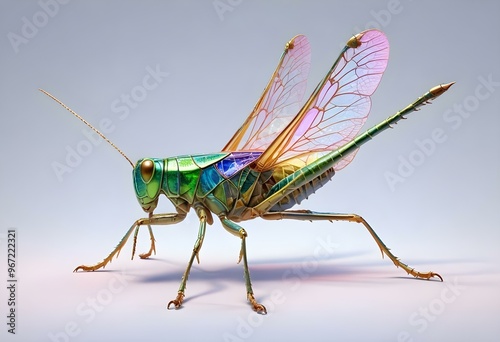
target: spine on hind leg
308 173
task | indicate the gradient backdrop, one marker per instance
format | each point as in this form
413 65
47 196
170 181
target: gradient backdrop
210 61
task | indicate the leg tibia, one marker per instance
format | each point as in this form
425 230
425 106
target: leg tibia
157 219
314 216
238 231
202 215
108 259
152 249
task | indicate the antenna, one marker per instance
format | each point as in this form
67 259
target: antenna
85 122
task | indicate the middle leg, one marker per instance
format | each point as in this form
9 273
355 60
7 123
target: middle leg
238 231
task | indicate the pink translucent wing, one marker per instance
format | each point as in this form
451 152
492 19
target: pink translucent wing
338 107
279 102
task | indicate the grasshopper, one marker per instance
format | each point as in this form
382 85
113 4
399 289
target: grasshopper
279 156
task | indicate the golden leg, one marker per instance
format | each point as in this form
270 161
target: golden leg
313 216
238 231
157 219
152 249
204 216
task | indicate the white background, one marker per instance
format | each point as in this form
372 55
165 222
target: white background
443 214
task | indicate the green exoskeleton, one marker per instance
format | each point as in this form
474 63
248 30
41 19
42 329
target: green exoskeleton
280 155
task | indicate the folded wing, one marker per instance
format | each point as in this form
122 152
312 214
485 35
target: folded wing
336 110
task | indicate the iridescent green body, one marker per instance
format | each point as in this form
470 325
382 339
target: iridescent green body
194 180
190 180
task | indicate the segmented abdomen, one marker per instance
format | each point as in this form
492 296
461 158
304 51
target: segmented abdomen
303 192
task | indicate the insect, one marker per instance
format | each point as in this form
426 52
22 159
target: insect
279 156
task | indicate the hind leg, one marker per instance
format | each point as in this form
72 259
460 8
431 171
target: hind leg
307 215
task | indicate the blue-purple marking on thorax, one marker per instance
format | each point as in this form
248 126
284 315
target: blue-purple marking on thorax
235 162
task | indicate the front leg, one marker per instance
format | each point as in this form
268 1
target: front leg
152 249
153 219
205 217
159 219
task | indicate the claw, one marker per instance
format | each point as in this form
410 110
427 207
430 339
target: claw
85 268
148 254
436 275
177 301
430 275
151 251
425 276
257 307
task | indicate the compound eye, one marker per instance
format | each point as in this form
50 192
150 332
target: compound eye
147 170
